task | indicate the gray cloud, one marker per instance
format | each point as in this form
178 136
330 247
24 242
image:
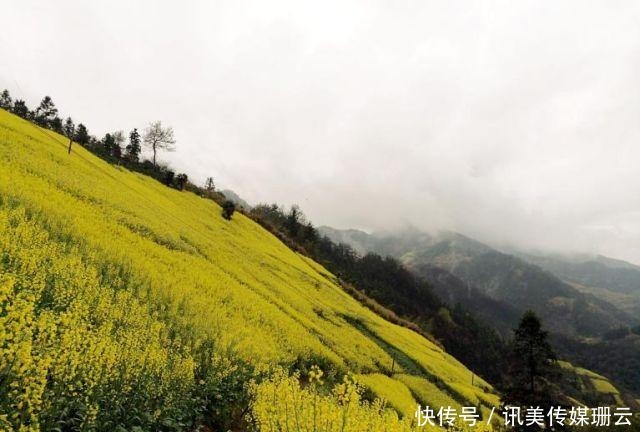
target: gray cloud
516 122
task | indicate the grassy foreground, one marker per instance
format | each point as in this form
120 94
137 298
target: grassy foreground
125 304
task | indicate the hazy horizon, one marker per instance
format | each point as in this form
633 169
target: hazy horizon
513 123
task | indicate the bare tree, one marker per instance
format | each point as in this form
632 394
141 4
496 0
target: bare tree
158 138
209 185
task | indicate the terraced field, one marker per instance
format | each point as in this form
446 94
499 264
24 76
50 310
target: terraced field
591 383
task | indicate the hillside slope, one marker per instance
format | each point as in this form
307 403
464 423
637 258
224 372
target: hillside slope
498 287
452 289
119 284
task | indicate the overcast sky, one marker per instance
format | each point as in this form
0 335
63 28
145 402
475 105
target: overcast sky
517 122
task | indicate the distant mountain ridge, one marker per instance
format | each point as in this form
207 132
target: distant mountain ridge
615 281
503 284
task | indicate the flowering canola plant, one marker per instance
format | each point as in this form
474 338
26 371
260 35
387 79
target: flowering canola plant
114 290
281 404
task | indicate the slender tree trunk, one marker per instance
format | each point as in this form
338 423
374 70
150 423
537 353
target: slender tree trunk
70 143
154 156
532 372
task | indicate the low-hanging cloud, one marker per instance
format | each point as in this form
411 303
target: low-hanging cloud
516 122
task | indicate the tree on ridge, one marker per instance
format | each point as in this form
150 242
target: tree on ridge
531 366
133 148
157 138
69 131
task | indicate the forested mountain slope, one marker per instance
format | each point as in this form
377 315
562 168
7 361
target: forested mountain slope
615 281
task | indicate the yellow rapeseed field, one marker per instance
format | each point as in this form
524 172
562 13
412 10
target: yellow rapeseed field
123 302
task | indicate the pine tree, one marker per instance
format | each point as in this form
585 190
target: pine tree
21 109
133 148
82 134
294 219
46 112
5 100
531 365
108 143
56 124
